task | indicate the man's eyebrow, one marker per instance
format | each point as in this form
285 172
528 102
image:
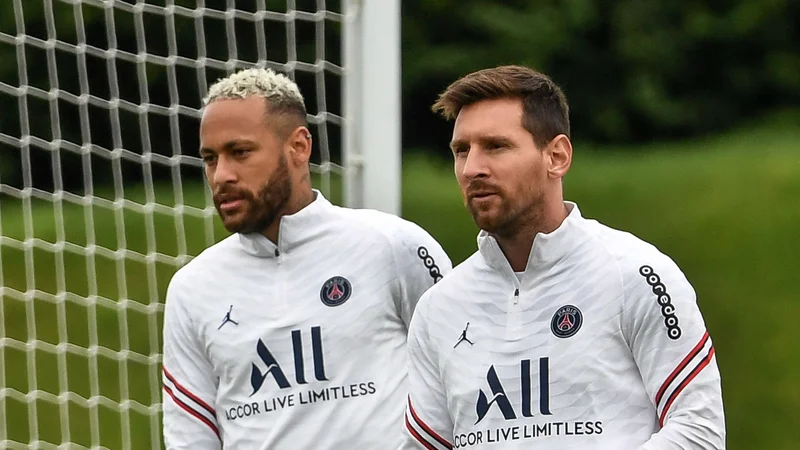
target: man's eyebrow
483 140
230 145
457 143
495 138
238 143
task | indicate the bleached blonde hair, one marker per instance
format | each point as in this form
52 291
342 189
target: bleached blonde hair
282 94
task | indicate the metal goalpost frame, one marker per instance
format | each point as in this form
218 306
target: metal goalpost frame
371 138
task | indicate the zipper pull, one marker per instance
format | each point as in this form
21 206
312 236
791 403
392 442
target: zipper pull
516 295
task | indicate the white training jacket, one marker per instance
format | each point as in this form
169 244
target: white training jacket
598 344
299 345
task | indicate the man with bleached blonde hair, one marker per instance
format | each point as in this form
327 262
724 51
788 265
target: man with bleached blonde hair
289 334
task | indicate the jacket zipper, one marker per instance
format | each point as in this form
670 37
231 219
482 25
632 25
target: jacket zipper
512 315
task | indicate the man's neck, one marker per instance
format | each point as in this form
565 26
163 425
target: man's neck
517 247
304 198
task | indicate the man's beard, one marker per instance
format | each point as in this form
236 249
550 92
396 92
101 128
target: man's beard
509 219
262 209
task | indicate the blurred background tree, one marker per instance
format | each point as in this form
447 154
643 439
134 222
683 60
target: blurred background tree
633 70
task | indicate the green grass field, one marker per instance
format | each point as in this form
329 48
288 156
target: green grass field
727 209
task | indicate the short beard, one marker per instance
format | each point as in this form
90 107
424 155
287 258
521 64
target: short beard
510 222
264 208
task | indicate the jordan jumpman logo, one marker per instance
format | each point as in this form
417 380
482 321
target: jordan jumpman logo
463 337
228 319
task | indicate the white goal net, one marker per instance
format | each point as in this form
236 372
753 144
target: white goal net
101 192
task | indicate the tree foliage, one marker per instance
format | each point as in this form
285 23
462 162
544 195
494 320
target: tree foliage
633 70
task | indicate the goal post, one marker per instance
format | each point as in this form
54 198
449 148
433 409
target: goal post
372 104
102 196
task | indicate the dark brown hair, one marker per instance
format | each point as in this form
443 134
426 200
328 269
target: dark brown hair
544 105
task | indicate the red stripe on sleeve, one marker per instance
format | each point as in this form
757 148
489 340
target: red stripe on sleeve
680 367
702 365
191 411
417 436
425 427
186 392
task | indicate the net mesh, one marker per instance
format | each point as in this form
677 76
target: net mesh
102 197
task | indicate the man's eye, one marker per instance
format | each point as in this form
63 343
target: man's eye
208 159
239 152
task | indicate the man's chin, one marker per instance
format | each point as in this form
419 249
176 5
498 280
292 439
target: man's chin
234 223
247 224
232 227
485 220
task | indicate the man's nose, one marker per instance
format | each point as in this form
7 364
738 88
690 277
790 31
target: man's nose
475 164
224 172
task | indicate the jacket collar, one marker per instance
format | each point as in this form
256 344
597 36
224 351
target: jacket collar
547 248
294 229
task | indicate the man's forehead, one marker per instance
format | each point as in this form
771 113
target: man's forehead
228 107
491 128
508 107
489 114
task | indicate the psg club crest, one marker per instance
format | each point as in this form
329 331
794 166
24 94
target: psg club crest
335 291
566 321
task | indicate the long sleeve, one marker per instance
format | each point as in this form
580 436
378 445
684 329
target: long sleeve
427 423
675 355
421 262
190 421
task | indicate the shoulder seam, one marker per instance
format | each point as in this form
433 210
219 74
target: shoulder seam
184 308
392 246
595 236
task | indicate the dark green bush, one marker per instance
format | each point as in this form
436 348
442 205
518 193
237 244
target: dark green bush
634 70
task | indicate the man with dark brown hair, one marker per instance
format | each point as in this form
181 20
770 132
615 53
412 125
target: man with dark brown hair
579 336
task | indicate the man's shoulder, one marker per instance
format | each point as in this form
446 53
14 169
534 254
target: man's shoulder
210 259
446 306
631 253
381 222
383 228
451 290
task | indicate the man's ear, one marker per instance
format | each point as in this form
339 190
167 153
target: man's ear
560 152
299 145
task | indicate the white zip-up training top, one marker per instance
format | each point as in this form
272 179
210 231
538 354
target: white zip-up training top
599 344
299 345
